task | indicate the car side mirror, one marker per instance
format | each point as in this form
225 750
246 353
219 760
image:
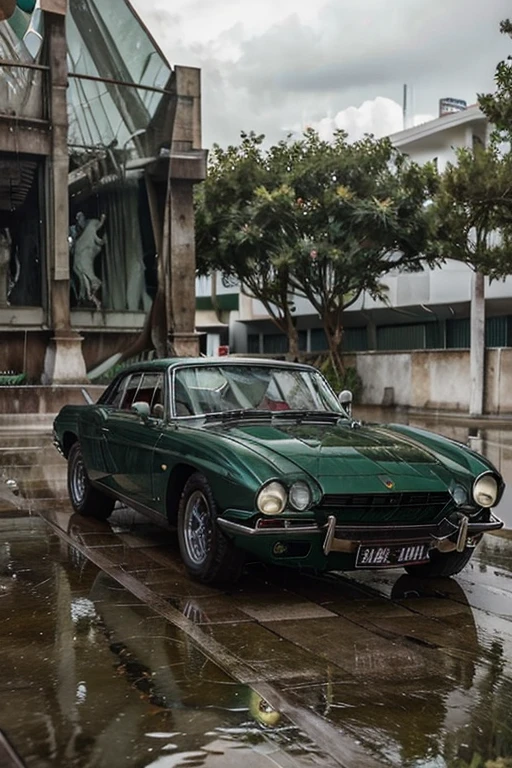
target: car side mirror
345 400
142 409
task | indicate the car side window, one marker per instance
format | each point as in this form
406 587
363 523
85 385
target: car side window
115 395
151 392
157 403
130 393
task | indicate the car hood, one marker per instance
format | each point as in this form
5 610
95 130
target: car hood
338 450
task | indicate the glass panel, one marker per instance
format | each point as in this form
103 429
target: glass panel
217 389
20 231
114 395
396 337
318 340
131 391
113 130
355 340
434 335
458 333
275 344
112 250
20 89
253 343
151 392
496 331
106 40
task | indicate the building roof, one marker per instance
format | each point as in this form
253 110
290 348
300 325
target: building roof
471 115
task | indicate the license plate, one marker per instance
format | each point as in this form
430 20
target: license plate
382 556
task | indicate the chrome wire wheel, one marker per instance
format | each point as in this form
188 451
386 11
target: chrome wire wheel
197 527
78 480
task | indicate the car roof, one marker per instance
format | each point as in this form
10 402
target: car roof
162 364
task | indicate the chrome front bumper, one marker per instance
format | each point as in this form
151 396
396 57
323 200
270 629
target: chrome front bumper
445 536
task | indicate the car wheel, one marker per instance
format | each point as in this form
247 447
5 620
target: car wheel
85 499
209 556
441 564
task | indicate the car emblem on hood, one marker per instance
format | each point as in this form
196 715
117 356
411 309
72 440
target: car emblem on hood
388 483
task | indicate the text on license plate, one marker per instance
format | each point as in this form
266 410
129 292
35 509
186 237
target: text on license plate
399 554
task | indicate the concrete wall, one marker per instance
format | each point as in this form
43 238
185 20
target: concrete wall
434 379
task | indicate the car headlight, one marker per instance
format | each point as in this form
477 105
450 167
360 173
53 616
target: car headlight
271 500
485 491
300 495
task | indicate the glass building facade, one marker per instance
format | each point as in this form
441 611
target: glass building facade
121 100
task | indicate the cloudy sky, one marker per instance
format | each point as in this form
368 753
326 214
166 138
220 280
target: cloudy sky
277 66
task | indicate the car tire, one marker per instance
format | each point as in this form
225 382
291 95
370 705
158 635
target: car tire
85 499
442 564
209 556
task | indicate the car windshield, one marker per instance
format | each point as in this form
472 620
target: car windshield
200 390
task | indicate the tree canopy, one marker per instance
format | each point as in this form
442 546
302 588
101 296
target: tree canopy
497 106
473 211
315 219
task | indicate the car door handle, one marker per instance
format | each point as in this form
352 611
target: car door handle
105 429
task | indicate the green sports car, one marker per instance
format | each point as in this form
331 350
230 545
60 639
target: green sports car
260 460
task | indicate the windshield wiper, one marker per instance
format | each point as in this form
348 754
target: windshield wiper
240 414
330 416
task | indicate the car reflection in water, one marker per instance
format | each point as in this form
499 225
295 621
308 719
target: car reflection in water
172 673
413 706
421 686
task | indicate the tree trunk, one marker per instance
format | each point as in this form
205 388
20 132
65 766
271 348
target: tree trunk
334 334
293 342
286 325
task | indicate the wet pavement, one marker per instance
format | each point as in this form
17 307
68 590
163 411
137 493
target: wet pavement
111 656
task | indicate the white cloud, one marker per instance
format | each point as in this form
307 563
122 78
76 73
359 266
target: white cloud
272 64
380 117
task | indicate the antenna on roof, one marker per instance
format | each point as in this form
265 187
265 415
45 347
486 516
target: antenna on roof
404 107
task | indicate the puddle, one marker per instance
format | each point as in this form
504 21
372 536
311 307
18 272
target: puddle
92 677
418 675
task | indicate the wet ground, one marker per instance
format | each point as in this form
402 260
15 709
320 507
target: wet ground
111 656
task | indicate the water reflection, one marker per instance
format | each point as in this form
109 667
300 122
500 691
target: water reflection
92 678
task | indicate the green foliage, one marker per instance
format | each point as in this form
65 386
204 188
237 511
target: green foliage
11 379
322 220
473 211
347 379
498 105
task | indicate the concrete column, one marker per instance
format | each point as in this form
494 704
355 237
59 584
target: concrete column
477 350
182 338
64 361
188 166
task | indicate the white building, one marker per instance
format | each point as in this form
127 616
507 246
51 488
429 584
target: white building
426 310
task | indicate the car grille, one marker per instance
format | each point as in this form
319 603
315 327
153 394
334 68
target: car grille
366 508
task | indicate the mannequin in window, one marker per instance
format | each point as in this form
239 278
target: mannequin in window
87 246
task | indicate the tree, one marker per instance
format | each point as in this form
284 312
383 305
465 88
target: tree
473 214
322 220
497 106
356 212
473 211
229 236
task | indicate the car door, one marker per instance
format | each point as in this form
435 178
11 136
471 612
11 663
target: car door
93 433
132 438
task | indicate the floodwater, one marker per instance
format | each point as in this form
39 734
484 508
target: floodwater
111 656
